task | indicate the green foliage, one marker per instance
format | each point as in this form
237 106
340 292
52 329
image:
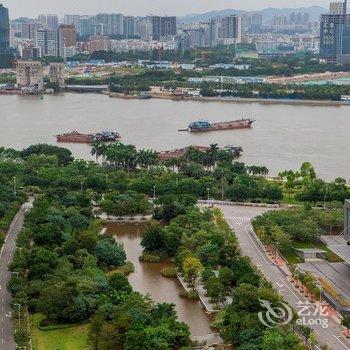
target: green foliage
109 254
192 268
118 282
191 295
150 258
64 156
304 225
153 238
169 272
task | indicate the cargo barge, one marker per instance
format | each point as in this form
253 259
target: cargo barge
77 137
205 125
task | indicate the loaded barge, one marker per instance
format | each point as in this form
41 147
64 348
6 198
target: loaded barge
77 137
205 125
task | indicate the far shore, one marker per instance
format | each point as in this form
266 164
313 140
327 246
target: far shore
211 99
245 100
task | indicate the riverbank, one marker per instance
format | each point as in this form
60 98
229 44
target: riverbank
307 77
234 99
172 97
257 100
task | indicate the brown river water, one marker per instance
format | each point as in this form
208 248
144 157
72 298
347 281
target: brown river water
147 279
282 137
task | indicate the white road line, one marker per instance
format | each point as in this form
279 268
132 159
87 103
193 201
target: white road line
345 346
256 247
298 297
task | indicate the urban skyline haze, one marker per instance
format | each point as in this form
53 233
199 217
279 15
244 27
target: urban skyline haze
31 8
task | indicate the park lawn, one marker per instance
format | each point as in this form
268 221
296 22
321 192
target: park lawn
63 339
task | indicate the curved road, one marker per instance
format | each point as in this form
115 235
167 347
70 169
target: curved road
239 219
6 255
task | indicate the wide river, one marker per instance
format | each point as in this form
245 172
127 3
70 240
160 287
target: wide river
282 138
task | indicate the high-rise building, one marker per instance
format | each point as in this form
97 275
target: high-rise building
306 18
42 19
196 37
48 21
72 20
129 26
86 25
4 29
41 41
231 28
67 40
52 22
144 28
337 8
213 32
46 40
28 29
335 37
111 24
163 26
52 43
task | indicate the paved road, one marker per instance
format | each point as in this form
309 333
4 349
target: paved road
6 255
239 219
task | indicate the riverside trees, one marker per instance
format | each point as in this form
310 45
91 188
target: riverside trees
64 280
206 244
62 259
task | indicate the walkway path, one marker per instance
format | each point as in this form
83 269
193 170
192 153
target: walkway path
6 256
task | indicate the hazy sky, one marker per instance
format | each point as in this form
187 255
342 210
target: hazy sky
32 8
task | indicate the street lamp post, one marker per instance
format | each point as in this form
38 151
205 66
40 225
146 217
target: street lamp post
324 198
154 191
208 191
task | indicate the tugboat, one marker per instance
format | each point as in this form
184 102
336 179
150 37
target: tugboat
77 137
205 125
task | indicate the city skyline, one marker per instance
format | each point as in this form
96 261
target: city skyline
31 8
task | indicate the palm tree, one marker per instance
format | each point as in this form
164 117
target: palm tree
264 171
147 158
193 155
103 151
96 149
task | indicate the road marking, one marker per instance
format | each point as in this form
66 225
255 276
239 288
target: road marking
345 346
279 285
238 218
291 290
256 247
